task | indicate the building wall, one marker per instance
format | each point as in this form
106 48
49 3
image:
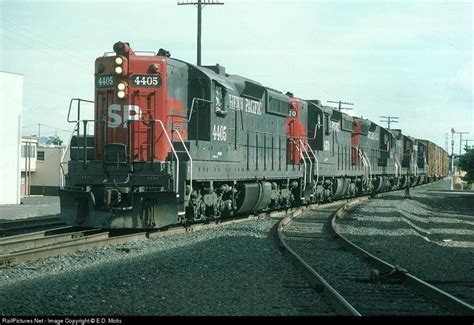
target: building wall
27 164
48 177
11 104
28 154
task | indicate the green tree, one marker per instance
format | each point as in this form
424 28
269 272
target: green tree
466 163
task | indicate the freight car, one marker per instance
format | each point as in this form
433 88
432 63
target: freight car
174 142
437 159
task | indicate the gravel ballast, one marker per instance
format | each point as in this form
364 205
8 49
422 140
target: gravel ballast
229 270
430 235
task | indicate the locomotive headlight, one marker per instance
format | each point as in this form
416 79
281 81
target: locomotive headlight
121 86
121 94
118 70
118 60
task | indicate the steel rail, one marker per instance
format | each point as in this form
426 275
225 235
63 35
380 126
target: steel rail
34 235
14 227
74 245
9 224
441 297
341 305
21 243
62 244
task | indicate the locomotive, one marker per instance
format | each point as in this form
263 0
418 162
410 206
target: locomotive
172 142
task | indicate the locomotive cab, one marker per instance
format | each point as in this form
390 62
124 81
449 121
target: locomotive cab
124 169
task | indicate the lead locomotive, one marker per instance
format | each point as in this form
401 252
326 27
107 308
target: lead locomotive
172 142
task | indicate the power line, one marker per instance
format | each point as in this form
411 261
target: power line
39 125
55 128
199 4
36 36
388 120
340 103
46 51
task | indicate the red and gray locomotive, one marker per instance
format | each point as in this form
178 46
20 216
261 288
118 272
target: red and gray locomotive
173 142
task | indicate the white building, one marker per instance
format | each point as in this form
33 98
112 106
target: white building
27 163
11 106
48 177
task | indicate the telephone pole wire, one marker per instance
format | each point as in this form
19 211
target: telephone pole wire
340 105
388 120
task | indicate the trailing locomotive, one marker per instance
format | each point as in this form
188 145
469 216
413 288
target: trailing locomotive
173 142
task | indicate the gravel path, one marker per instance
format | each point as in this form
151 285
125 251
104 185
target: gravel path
233 270
431 235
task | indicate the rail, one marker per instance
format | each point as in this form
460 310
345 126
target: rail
439 296
342 306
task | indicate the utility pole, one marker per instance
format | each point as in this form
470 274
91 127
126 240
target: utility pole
39 130
460 141
389 119
468 140
199 4
452 150
340 103
446 141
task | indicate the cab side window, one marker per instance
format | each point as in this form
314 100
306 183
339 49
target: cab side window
219 99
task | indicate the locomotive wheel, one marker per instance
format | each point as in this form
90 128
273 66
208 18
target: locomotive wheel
338 188
378 184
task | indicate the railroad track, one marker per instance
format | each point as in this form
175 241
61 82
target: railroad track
354 281
15 250
21 226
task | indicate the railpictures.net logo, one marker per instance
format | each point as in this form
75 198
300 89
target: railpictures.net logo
61 321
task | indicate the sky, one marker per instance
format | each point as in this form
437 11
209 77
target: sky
410 59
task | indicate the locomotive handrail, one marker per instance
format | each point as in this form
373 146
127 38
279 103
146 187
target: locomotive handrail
304 162
317 163
369 163
79 100
191 160
68 147
398 167
366 163
61 161
195 99
174 152
309 158
415 165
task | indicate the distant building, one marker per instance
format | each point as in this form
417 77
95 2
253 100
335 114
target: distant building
27 163
48 177
11 104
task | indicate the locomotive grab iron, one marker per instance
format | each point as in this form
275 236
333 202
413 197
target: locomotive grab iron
172 142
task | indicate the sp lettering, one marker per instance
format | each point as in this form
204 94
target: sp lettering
120 115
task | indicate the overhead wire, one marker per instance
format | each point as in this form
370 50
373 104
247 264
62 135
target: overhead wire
48 42
44 51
